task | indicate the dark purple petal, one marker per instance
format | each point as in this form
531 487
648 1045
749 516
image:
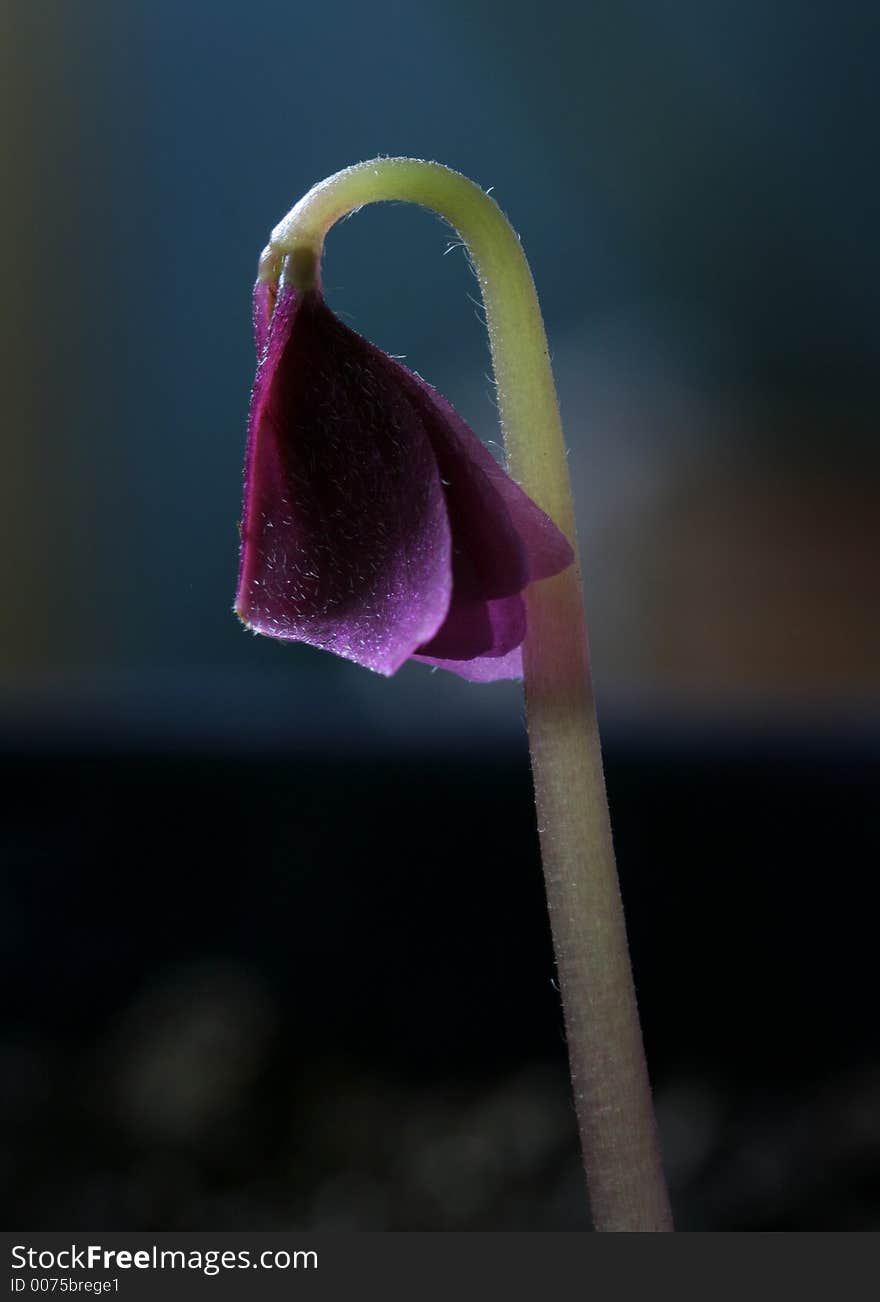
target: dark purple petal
489 565
493 559
547 549
474 627
501 541
345 538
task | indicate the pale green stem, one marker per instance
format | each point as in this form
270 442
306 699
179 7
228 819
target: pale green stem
611 1088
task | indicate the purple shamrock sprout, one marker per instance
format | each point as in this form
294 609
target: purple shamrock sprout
376 525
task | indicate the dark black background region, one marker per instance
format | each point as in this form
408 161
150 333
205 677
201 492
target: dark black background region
303 992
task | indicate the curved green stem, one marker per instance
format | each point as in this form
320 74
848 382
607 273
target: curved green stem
611 1088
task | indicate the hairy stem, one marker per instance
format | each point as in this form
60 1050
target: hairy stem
611 1088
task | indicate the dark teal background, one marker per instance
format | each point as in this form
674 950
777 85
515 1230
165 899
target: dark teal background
695 185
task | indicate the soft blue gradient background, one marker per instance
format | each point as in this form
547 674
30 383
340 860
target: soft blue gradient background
695 185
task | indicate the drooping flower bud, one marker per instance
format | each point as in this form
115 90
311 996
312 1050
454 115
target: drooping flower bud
376 525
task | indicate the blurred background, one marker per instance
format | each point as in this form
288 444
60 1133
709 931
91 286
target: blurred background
274 945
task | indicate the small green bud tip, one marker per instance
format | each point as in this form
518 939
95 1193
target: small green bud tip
300 267
269 266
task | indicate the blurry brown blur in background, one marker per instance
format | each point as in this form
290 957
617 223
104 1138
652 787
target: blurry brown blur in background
695 185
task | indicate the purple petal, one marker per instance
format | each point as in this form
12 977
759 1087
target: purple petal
376 524
345 540
501 541
489 565
491 557
547 549
474 627
482 669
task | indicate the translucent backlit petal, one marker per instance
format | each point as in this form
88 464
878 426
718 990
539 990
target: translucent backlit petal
345 538
376 525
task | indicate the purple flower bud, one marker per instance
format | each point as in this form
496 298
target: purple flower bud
375 524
